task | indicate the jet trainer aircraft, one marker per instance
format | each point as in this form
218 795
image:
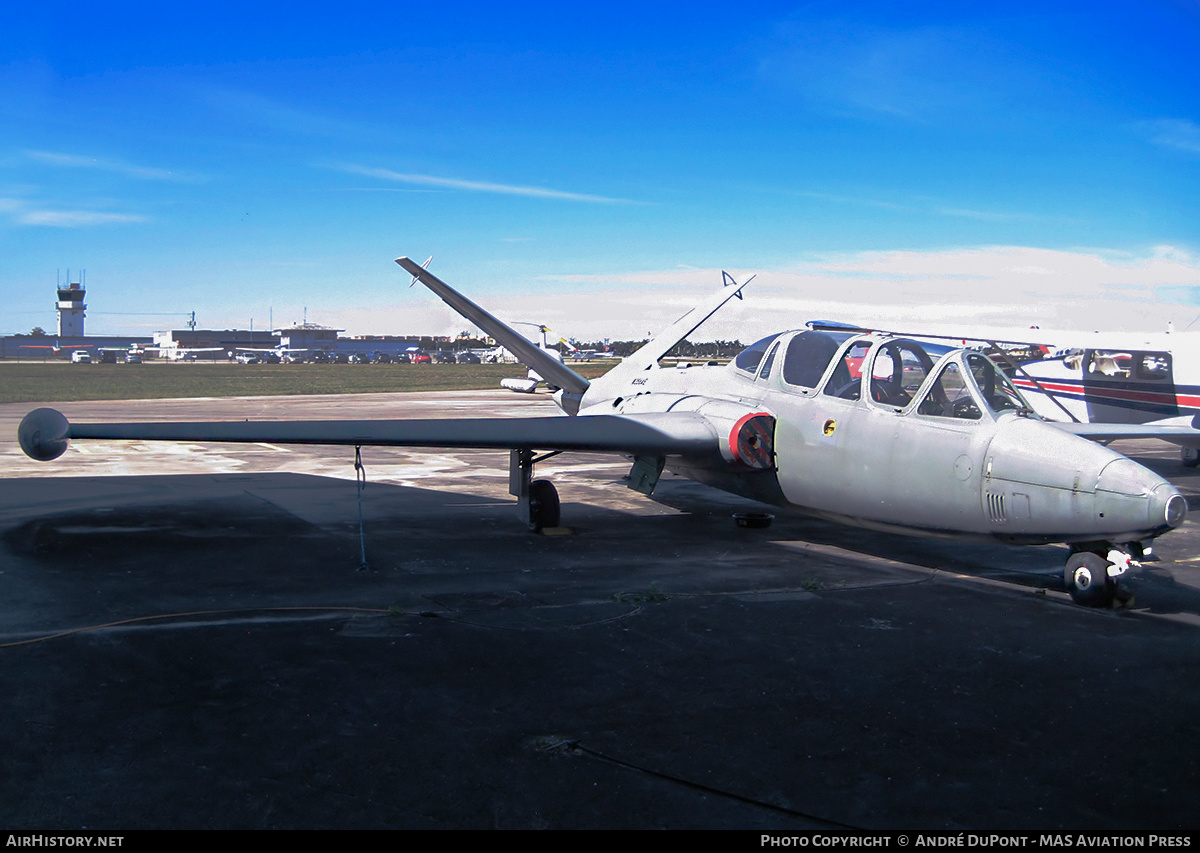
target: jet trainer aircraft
1140 386
871 430
1106 385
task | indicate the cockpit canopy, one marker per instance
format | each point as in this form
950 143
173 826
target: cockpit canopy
904 375
808 354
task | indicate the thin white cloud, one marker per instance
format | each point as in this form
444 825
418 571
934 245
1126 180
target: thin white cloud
78 218
129 170
919 205
478 186
866 202
948 290
258 110
21 212
917 74
983 215
1180 134
994 285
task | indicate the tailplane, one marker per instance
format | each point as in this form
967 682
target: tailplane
647 356
537 359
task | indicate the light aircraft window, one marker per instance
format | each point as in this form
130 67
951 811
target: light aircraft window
1155 366
808 354
949 397
1114 365
897 372
997 391
765 373
846 381
749 358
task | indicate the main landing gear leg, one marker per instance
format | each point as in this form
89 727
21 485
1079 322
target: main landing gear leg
1091 576
537 500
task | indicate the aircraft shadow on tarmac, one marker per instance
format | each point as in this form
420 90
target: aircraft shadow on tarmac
947 705
279 534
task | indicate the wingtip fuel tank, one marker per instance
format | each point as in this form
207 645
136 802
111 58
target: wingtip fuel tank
44 434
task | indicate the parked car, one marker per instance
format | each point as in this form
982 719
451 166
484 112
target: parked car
81 356
467 357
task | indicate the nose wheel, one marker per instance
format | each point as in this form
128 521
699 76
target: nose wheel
1088 581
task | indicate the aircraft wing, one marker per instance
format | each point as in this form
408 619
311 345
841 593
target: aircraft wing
1179 431
1061 339
45 433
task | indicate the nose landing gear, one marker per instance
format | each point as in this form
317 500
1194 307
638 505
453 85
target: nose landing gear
1086 577
1091 576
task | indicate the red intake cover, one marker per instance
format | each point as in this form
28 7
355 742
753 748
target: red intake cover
752 440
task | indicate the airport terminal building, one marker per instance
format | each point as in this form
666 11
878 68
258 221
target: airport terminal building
206 344
70 333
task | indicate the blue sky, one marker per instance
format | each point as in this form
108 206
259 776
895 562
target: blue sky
595 170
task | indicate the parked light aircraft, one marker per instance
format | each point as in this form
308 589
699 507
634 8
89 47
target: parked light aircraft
1143 386
56 348
589 354
532 378
871 430
190 353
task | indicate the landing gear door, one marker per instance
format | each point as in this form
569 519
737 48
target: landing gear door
1128 387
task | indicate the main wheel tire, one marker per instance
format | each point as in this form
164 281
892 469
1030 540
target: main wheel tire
1087 579
544 509
1189 457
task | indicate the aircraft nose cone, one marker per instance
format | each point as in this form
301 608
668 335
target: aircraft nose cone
1128 485
1169 505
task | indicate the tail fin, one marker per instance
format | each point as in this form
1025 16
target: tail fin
547 366
649 353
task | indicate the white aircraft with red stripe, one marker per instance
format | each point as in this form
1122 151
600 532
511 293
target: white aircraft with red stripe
1123 385
1108 381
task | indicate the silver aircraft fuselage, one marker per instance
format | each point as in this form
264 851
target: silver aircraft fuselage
891 434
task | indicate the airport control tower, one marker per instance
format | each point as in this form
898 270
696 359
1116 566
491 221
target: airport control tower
70 311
